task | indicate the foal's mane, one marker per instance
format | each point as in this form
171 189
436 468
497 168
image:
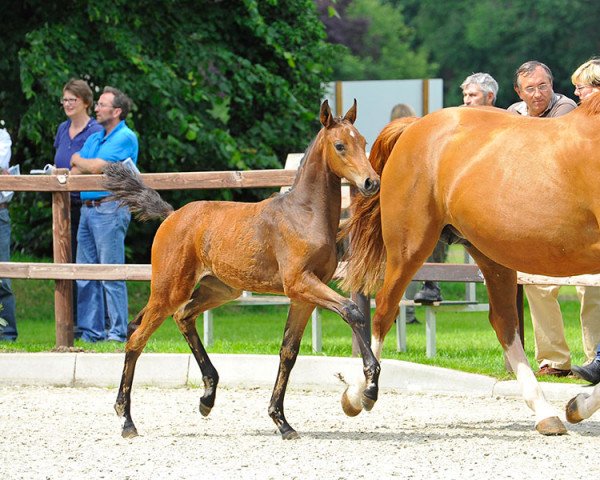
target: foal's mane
591 105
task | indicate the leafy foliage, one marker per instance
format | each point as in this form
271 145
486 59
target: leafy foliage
216 86
497 36
373 41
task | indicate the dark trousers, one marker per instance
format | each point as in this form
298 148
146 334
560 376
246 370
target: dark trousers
7 298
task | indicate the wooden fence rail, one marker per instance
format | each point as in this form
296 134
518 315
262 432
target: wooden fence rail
60 183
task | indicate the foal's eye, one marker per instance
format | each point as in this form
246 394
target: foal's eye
339 147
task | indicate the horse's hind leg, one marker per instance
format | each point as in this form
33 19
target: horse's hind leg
583 406
138 333
298 316
502 291
210 294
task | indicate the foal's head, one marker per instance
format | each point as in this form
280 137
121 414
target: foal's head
344 150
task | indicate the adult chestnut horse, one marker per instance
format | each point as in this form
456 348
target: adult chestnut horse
206 253
521 193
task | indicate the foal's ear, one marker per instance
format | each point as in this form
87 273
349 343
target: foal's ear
326 116
351 114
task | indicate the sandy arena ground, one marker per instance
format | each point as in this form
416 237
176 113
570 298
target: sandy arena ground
73 433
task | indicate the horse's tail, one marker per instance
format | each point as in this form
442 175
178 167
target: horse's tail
127 187
366 256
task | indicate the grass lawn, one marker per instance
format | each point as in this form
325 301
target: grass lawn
465 341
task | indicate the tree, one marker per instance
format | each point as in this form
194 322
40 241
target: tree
496 36
374 43
216 86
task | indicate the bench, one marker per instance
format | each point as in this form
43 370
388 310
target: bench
470 304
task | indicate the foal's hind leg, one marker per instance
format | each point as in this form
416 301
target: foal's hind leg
172 285
298 316
210 294
502 291
138 333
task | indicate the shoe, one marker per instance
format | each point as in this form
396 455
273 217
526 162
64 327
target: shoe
546 370
412 320
429 293
589 372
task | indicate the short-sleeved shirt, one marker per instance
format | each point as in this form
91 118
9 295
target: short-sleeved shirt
117 146
66 146
559 105
5 144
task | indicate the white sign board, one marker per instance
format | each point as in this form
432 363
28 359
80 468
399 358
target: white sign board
376 98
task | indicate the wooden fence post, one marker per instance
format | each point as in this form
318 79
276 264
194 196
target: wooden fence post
61 240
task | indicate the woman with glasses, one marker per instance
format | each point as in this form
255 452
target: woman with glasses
77 99
586 80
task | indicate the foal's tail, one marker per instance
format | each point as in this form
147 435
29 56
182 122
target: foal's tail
126 187
366 255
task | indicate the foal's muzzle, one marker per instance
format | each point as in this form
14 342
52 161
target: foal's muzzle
370 187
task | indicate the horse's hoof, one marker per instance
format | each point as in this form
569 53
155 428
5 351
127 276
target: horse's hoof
290 435
204 409
349 409
551 426
572 410
129 432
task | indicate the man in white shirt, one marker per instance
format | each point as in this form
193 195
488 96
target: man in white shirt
8 324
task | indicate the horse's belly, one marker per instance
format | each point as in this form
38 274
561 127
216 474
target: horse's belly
533 252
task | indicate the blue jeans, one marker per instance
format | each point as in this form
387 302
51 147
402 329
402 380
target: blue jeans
7 299
101 239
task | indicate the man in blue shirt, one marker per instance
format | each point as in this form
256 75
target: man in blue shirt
103 224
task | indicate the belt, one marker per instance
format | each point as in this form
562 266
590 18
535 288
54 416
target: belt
3 206
93 203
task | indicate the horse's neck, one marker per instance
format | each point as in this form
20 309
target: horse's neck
318 189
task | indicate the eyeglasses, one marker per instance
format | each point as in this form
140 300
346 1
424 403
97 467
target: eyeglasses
579 88
544 87
102 105
69 101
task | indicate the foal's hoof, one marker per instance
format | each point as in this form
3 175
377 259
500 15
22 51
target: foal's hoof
347 406
367 403
551 426
129 432
204 409
290 435
572 409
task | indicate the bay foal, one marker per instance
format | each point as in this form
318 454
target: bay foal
206 253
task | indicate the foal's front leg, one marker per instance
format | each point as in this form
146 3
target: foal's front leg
314 291
298 316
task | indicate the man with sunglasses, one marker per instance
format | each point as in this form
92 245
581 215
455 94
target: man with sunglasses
103 224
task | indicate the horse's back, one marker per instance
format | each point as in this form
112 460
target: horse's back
501 179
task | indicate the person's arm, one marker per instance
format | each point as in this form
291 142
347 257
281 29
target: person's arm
5 144
83 166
